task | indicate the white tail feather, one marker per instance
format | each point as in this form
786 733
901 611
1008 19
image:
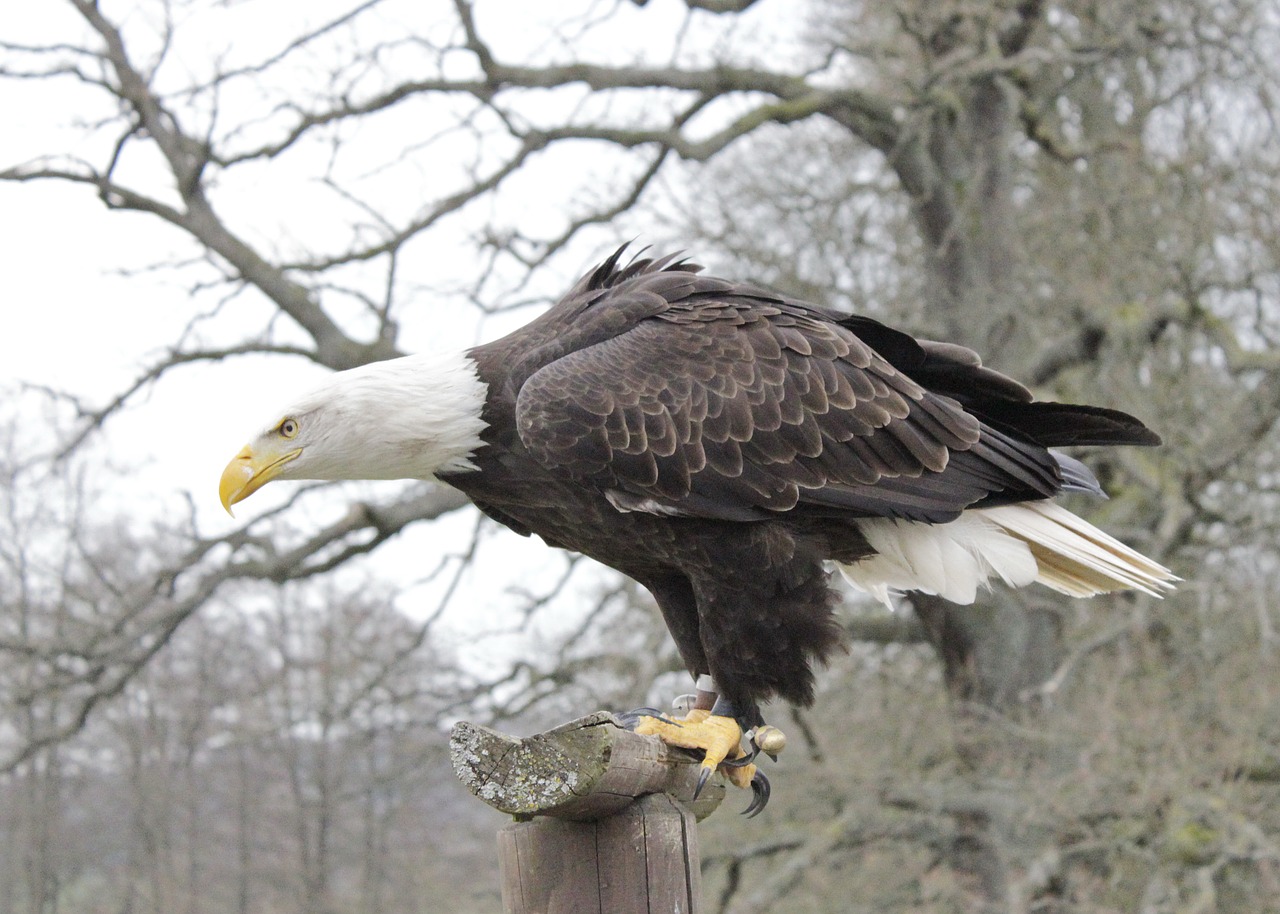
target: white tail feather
1032 541
1077 558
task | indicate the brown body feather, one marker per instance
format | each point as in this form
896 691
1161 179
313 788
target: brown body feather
717 442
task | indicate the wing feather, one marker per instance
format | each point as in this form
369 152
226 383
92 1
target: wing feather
735 407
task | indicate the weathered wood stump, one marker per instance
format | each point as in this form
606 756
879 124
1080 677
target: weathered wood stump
606 820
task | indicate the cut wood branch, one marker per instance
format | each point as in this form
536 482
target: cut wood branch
585 770
642 860
616 828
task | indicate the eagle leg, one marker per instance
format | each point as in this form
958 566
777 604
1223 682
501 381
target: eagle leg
710 724
716 734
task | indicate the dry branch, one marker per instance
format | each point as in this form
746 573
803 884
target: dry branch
616 831
585 770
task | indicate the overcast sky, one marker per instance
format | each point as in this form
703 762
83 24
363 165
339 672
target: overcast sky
84 315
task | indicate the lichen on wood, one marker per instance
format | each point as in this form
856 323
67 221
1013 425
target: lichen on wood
584 770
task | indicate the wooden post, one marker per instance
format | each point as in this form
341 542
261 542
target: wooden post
605 822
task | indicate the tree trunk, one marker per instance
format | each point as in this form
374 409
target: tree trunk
642 860
607 820
994 650
990 652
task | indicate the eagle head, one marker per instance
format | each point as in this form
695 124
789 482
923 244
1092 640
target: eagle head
405 418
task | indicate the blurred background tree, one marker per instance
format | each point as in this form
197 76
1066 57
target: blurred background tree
252 719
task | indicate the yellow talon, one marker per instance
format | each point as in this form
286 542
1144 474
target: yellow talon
740 775
719 737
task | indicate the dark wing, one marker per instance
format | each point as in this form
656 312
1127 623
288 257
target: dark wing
997 399
737 407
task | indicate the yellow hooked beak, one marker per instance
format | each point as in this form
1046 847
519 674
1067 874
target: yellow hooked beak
249 471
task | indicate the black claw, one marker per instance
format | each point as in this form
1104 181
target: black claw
760 795
631 719
744 760
703 777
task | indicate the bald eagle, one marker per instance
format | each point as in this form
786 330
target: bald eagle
718 442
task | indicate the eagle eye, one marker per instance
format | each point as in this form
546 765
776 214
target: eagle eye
289 428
